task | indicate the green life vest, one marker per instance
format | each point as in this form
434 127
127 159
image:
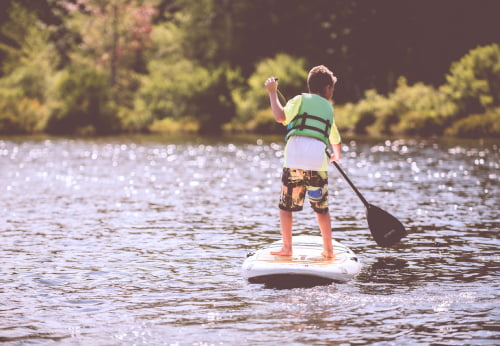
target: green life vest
314 119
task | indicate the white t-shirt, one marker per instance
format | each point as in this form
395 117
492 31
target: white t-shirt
305 153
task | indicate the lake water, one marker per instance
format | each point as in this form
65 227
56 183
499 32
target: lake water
140 240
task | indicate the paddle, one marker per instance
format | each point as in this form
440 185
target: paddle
385 228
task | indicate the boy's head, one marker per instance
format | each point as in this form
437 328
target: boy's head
319 78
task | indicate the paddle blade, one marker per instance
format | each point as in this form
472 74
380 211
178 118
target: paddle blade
385 228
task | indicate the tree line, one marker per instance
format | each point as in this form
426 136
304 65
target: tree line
101 67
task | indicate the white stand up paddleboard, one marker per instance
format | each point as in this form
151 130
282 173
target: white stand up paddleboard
306 268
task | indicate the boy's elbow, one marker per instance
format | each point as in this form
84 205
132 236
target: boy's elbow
279 117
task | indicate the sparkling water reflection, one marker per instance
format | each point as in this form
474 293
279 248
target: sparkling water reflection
140 240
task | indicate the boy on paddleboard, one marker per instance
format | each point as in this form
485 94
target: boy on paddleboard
310 130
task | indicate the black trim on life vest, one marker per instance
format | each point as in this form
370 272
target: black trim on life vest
301 125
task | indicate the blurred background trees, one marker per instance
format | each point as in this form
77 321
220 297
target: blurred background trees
424 67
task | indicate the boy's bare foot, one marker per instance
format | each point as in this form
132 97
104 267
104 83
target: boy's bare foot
282 252
328 254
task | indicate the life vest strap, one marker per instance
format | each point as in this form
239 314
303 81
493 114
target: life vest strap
300 124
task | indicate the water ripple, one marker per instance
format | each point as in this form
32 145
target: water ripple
140 240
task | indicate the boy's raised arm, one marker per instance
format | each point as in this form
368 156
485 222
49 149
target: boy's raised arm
272 87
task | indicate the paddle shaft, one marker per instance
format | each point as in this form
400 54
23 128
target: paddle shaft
283 98
365 202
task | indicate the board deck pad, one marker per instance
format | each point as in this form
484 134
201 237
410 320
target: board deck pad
307 267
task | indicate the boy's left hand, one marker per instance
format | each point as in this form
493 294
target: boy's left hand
333 158
333 153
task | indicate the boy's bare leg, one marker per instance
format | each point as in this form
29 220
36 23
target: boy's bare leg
325 225
286 219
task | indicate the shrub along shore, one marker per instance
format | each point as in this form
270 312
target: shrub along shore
467 105
182 97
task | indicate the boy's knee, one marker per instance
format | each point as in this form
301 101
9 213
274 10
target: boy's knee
321 211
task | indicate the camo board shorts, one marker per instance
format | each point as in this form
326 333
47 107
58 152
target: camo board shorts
296 182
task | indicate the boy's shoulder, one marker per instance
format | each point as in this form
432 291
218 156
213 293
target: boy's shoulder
317 100
295 102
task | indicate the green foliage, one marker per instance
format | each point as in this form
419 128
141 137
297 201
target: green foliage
28 69
21 115
253 97
291 72
183 89
22 96
473 82
365 113
263 122
81 103
213 105
98 66
30 80
473 85
166 91
173 126
167 43
419 110
21 24
200 30
477 125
